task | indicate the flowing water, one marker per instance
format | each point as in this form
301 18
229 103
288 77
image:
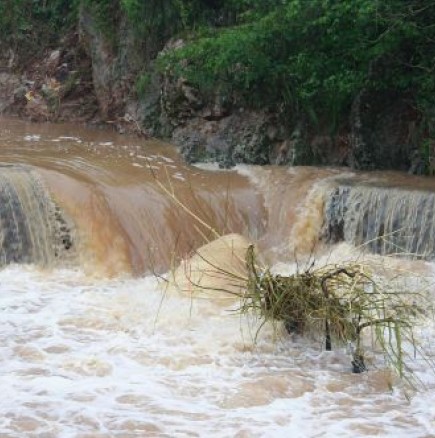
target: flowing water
93 345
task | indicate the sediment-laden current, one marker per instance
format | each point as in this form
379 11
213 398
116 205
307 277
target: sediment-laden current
92 343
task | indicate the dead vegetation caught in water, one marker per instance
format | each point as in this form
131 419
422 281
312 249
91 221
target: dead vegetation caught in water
342 304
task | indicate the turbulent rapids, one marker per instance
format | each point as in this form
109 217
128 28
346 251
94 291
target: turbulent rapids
116 216
93 343
101 202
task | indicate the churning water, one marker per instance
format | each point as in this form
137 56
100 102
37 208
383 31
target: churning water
93 345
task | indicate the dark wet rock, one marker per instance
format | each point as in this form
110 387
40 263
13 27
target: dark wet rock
229 138
418 165
358 364
11 90
383 126
335 215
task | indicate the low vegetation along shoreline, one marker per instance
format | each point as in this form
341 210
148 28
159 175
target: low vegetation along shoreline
232 81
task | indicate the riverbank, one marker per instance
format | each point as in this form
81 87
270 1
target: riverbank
223 81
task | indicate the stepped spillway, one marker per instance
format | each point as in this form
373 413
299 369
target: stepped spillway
32 227
383 220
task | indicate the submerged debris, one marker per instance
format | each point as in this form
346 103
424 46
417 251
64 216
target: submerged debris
339 303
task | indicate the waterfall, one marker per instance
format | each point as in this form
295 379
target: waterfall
384 220
32 227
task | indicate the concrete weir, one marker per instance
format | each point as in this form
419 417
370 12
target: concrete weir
384 220
32 227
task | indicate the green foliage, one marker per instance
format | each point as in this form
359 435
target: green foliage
106 14
160 17
313 56
167 17
143 81
34 23
302 57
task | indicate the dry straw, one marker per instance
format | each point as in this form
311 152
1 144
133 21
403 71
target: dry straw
339 303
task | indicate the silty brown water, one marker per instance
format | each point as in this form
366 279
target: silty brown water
109 186
88 356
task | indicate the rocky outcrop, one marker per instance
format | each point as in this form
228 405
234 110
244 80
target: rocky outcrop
53 87
383 131
115 69
216 127
384 123
107 80
11 90
211 128
241 137
253 137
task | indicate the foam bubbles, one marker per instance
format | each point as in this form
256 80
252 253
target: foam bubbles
86 357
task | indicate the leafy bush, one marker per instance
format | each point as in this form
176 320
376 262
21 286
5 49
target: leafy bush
33 23
308 57
143 81
313 56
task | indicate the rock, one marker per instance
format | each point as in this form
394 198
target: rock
52 61
382 126
37 109
62 73
117 65
239 137
381 136
297 146
417 166
284 154
173 44
9 86
55 86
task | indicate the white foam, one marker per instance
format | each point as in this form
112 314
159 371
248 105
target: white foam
166 159
178 176
32 137
253 173
85 356
65 137
210 167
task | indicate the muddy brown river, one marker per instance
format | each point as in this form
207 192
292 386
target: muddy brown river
93 345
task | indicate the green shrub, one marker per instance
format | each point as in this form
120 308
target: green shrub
313 56
34 24
143 82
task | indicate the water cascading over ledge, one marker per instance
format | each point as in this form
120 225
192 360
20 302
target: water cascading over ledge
32 227
383 220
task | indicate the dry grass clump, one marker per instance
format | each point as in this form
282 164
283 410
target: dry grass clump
339 303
